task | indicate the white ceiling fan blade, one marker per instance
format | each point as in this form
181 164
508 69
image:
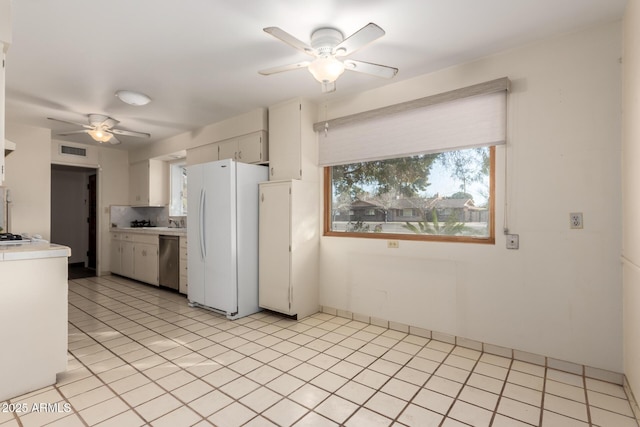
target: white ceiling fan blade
128 133
289 39
369 68
114 140
359 39
73 132
281 68
84 125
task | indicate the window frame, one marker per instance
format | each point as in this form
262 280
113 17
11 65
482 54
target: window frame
490 239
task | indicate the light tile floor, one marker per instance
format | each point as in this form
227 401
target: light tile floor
139 355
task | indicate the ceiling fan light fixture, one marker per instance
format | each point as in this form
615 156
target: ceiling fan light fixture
133 98
326 69
99 135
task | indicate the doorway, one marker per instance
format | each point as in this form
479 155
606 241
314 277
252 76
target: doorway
92 220
74 216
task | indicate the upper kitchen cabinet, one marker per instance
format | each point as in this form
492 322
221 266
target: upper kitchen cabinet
5 23
5 40
251 148
149 183
202 154
293 152
2 54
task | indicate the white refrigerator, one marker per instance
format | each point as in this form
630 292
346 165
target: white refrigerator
222 213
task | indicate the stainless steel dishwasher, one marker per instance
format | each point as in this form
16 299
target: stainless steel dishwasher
170 261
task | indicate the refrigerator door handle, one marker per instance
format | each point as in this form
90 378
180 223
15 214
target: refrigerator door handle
203 249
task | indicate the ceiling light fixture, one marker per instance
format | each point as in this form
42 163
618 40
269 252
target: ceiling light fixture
100 135
133 98
326 69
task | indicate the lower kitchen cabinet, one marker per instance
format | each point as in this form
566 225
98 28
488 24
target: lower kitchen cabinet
145 262
126 262
116 253
135 256
288 247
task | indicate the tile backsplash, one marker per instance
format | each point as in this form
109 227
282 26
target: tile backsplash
122 216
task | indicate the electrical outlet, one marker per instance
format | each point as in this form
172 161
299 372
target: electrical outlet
575 220
513 241
393 244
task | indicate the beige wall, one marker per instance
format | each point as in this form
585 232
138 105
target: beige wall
28 175
560 294
631 195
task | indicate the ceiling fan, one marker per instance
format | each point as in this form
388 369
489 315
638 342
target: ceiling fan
101 128
327 46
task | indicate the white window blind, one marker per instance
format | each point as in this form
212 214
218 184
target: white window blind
465 118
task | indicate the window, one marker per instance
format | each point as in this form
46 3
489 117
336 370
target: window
444 196
426 166
178 205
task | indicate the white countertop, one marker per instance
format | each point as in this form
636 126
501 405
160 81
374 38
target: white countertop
171 231
32 250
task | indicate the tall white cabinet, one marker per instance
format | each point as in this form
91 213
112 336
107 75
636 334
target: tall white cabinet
290 213
288 246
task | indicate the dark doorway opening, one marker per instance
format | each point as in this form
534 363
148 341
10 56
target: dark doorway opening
74 216
92 220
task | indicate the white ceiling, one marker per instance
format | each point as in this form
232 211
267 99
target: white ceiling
198 59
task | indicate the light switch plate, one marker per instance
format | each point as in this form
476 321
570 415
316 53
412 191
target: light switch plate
393 244
575 220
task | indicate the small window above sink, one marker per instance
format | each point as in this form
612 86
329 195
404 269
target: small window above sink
178 177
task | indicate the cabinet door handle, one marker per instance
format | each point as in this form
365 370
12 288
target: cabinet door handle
271 171
203 249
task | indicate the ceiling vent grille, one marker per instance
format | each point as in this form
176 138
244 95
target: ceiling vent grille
73 151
